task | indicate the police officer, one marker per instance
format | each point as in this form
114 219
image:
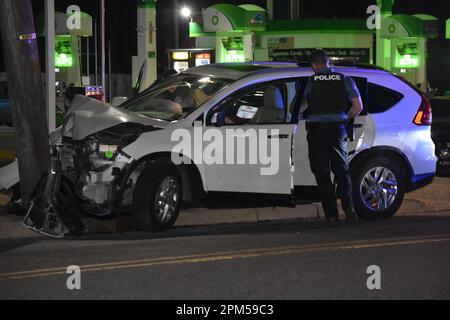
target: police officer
325 106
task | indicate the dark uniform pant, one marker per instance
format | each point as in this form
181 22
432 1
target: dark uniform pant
328 149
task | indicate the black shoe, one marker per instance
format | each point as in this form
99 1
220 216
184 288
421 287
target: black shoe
332 221
350 217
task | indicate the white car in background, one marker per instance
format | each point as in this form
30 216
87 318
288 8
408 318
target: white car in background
119 158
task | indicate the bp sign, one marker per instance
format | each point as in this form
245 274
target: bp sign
226 17
216 21
392 28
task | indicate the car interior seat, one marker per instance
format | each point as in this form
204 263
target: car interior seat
273 109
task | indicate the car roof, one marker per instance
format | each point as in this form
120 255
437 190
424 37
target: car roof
236 71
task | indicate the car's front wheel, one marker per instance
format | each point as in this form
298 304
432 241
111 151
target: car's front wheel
157 197
378 188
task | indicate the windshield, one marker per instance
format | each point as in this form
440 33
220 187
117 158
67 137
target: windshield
176 97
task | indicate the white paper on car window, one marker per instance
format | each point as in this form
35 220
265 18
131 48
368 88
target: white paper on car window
247 112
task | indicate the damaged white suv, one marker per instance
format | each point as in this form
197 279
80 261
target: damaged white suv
119 159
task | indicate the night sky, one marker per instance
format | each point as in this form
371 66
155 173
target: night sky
121 23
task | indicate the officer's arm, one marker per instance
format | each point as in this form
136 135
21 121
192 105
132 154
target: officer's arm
355 98
304 104
356 108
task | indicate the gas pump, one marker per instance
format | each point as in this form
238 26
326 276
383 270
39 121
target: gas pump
233 49
408 56
68 74
68 58
408 45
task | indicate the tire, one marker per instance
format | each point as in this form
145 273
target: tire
146 196
378 201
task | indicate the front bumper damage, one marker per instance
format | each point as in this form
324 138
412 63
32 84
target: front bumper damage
83 180
50 212
79 184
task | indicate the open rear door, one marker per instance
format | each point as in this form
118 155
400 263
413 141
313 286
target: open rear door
303 175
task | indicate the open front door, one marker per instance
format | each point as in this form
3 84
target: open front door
360 124
303 175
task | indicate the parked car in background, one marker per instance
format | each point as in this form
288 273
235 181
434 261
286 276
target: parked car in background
5 105
440 130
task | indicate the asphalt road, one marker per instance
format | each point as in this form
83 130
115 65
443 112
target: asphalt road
288 260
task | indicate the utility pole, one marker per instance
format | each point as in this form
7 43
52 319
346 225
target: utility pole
177 23
50 94
27 92
103 41
95 52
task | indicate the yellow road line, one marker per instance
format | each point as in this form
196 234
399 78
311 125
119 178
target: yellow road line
6 155
232 255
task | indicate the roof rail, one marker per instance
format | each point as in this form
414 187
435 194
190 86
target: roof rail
351 62
359 65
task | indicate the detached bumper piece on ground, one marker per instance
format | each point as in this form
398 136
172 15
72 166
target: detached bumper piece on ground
53 211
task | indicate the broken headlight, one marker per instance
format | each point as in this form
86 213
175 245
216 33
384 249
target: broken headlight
110 141
107 151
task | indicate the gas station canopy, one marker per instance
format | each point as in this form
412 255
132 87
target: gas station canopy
230 18
404 26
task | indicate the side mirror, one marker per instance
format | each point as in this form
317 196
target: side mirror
117 101
218 119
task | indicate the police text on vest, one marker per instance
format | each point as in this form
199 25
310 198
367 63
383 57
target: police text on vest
327 77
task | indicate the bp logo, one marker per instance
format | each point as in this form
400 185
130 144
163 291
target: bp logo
392 28
258 19
215 20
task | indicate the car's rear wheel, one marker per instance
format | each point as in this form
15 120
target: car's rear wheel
378 188
157 197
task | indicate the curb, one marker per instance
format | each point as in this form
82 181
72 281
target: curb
10 227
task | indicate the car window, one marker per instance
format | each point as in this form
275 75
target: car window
176 97
381 99
263 105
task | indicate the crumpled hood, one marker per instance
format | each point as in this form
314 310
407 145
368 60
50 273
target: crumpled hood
87 116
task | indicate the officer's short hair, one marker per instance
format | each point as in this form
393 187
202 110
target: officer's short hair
319 56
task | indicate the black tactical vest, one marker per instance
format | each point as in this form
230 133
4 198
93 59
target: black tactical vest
328 94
